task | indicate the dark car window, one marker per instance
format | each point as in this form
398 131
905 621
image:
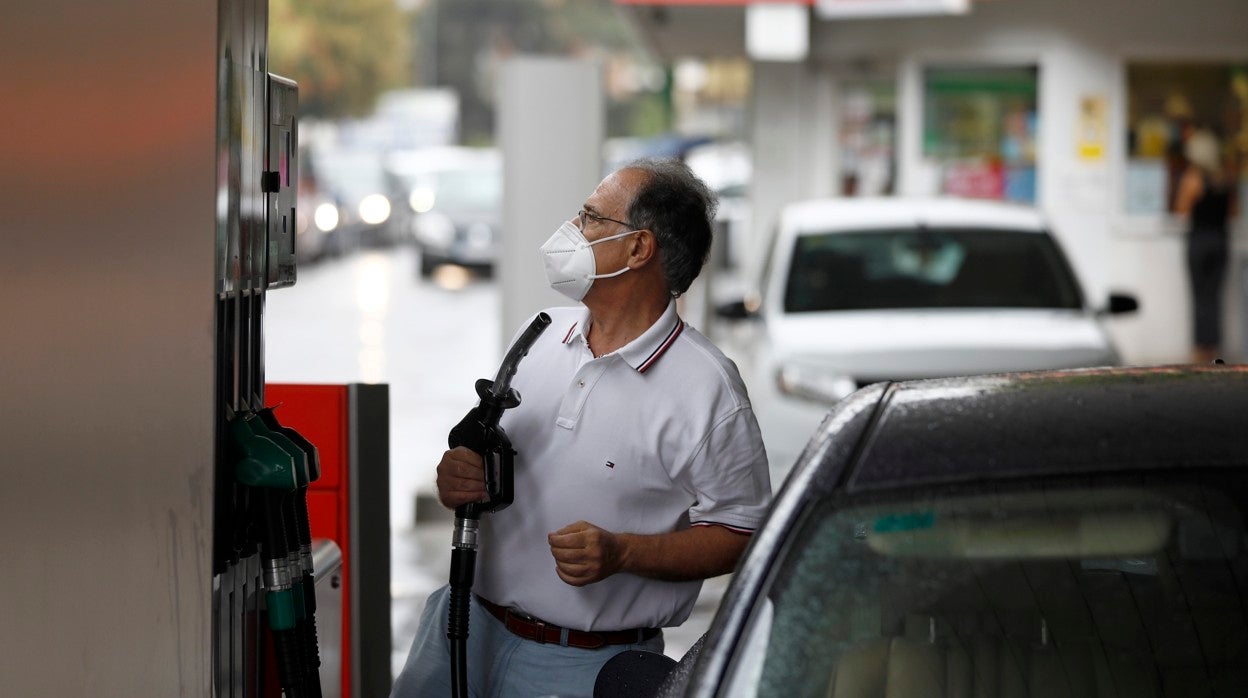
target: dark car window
928 268
1087 589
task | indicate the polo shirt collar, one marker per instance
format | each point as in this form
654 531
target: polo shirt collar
644 351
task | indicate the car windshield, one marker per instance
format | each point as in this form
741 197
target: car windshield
468 190
351 174
1085 589
928 268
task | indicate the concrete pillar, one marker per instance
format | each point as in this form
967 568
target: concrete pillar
792 132
550 128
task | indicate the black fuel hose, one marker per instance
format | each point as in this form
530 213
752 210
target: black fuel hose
480 432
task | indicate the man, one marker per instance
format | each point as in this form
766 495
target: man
639 472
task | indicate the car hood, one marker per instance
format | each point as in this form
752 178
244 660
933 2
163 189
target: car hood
898 345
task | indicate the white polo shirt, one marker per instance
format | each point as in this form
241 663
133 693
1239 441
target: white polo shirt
652 438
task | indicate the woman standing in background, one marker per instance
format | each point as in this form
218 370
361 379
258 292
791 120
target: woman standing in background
1205 197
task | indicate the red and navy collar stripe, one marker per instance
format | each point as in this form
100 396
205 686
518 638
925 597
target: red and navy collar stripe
663 347
654 355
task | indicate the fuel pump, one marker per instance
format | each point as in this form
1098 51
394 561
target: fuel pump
479 431
259 562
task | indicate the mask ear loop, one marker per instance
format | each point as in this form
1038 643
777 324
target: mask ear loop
610 237
612 274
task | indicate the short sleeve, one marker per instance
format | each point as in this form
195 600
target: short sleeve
730 476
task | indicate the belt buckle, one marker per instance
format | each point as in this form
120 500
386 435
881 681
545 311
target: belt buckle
537 623
541 630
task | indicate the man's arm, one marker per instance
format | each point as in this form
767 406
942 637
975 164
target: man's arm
585 554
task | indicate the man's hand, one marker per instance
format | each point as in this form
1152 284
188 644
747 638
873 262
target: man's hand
585 554
461 478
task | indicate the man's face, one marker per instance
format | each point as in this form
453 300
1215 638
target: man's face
607 207
606 214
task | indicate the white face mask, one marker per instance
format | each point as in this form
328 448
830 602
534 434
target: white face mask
569 260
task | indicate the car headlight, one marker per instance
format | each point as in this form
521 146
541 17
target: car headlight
374 209
435 230
812 382
421 199
326 217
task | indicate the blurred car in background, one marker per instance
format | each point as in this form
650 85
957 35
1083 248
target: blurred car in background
352 180
316 216
727 168
857 291
1056 533
451 201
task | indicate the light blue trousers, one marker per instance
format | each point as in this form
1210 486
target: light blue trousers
500 664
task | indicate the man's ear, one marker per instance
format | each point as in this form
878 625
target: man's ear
645 247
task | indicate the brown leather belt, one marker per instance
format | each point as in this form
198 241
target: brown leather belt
531 628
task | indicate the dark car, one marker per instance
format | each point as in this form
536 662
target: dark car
353 180
1057 533
454 204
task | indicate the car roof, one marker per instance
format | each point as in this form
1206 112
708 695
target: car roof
1046 423
877 213
442 158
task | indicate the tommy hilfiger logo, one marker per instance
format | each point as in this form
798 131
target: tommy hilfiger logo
610 464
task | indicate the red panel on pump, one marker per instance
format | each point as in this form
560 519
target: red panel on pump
323 512
320 414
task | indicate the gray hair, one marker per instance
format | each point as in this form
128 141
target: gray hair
679 209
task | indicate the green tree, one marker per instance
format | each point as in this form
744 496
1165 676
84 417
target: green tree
343 53
462 43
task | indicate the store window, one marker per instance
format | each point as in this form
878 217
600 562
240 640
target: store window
868 137
1166 103
979 126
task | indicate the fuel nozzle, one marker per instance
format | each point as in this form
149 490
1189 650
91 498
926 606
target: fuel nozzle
272 473
299 539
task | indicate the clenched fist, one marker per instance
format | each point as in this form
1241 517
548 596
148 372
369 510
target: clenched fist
585 554
461 478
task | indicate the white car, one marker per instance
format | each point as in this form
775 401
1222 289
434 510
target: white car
857 291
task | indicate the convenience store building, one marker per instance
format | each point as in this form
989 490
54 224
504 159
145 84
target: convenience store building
1076 106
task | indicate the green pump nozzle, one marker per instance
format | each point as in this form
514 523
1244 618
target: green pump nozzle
299 539
272 472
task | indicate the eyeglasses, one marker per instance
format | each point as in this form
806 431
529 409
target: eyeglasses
583 215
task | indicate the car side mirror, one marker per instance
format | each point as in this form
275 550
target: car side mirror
734 310
1121 303
633 674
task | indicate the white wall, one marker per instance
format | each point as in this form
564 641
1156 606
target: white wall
107 223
